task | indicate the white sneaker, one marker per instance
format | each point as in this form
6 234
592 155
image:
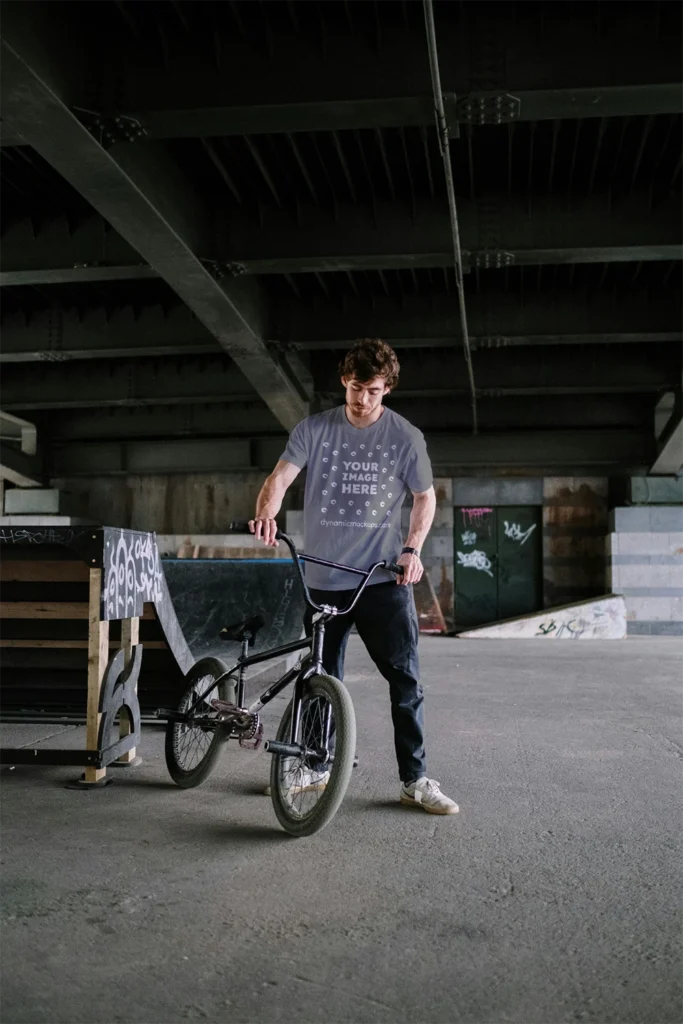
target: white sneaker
425 793
307 782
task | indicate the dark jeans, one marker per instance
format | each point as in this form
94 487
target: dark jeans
386 621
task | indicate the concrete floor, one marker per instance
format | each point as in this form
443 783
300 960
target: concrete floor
554 895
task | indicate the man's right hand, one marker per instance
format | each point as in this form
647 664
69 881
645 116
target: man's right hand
265 530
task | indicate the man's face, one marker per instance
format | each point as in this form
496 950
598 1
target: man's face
364 397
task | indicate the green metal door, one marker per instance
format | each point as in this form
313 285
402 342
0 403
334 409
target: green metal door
476 587
520 574
498 563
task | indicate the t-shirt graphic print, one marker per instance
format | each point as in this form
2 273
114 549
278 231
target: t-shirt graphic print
356 483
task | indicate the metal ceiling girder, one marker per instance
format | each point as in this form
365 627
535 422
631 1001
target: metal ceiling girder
183 381
254 419
625 450
212 122
405 111
80 273
478 108
137 383
313 116
486 107
141 193
502 107
496 231
60 335
487 341
62 246
57 335
494 313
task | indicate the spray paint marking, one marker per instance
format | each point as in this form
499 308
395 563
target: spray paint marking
514 531
475 516
475 560
469 538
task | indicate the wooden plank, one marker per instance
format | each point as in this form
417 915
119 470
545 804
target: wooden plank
43 609
76 645
51 609
43 572
130 636
98 654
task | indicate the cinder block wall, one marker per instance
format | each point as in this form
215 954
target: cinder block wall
645 564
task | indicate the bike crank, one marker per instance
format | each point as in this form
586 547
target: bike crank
245 726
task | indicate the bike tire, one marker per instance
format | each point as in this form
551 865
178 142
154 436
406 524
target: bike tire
340 771
188 778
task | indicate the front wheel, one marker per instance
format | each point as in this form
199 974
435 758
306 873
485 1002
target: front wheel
191 750
306 795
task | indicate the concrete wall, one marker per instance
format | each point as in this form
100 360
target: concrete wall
575 512
437 553
194 503
645 564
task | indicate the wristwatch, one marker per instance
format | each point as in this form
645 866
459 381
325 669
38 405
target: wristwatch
410 551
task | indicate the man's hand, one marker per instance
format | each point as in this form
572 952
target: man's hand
412 569
265 530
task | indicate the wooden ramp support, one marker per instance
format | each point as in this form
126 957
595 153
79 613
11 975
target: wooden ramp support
130 637
124 578
98 655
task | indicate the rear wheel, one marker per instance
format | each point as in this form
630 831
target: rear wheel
307 794
191 750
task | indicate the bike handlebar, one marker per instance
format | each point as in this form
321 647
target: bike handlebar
243 528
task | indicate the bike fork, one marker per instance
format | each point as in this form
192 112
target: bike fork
295 723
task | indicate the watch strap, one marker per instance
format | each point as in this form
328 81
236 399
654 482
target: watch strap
410 551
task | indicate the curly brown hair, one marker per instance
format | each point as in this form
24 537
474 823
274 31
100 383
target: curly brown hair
371 357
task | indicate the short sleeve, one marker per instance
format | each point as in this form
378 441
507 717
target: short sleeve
296 451
417 474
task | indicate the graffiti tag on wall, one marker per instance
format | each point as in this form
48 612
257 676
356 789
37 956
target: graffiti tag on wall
514 532
475 516
469 538
475 560
597 625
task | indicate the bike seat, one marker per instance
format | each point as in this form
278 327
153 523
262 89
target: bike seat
245 629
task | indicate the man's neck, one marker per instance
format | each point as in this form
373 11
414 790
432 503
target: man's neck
363 421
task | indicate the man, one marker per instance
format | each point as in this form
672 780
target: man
361 458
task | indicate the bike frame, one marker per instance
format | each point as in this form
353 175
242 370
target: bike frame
313 664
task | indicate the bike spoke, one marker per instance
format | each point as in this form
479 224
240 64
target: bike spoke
192 742
296 774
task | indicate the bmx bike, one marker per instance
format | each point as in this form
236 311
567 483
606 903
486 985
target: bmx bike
314 749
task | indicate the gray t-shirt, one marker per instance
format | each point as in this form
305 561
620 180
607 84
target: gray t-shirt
356 482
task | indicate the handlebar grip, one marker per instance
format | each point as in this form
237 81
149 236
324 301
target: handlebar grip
242 526
393 567
239 526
